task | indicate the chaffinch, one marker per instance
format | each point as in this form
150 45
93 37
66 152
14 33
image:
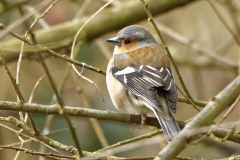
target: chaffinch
139 78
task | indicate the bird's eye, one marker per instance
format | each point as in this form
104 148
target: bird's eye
127 41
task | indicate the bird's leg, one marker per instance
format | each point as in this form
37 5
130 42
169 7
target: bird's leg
143 120
134 125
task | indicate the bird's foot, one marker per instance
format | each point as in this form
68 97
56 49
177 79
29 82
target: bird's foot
134 125
143 120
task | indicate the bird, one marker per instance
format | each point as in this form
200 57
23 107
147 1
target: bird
139 78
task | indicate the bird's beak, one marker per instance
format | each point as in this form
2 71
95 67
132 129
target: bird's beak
115 41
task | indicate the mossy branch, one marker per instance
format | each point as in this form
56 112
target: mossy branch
217 104
61 35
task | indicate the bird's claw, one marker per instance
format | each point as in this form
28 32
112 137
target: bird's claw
143 120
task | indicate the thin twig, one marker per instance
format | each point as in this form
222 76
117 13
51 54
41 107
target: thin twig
196 46
148 135
80 74
65 115
21 38
24 135
31 139
14 84
217 104
150 18
94 123
62 111
49 119
41 22
17 90
236 38
228 111
196 102
19 143
26 35
28 151
23 18
191 101
222 139
34 88
218 122
40 138
75 39
28 115
83 8
66 58
18 152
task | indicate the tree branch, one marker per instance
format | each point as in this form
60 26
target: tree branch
6 5
205 117
46 155
61 35
40 137
100 115
76 111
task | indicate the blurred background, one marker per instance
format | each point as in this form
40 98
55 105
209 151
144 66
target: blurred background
206 54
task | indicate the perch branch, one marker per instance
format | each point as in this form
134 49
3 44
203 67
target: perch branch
220 102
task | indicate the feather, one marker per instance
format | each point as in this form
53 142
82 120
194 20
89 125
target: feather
155 86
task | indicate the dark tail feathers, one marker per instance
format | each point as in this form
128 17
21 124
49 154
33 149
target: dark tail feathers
169 127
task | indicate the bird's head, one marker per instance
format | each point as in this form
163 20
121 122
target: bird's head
132 37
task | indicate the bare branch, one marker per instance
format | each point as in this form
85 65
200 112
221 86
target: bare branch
57 37
206 116
100 115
